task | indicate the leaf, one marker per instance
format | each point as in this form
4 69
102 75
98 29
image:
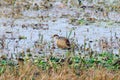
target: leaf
3 62
81 21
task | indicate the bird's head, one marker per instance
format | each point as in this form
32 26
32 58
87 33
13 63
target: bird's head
55 36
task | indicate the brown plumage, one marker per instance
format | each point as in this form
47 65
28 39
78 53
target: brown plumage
62 42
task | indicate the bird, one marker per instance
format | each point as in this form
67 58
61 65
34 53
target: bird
62 42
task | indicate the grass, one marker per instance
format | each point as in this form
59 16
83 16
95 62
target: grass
32 72
95 67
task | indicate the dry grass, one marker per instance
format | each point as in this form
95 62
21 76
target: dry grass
30 71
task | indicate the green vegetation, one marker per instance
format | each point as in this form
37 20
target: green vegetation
46 67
